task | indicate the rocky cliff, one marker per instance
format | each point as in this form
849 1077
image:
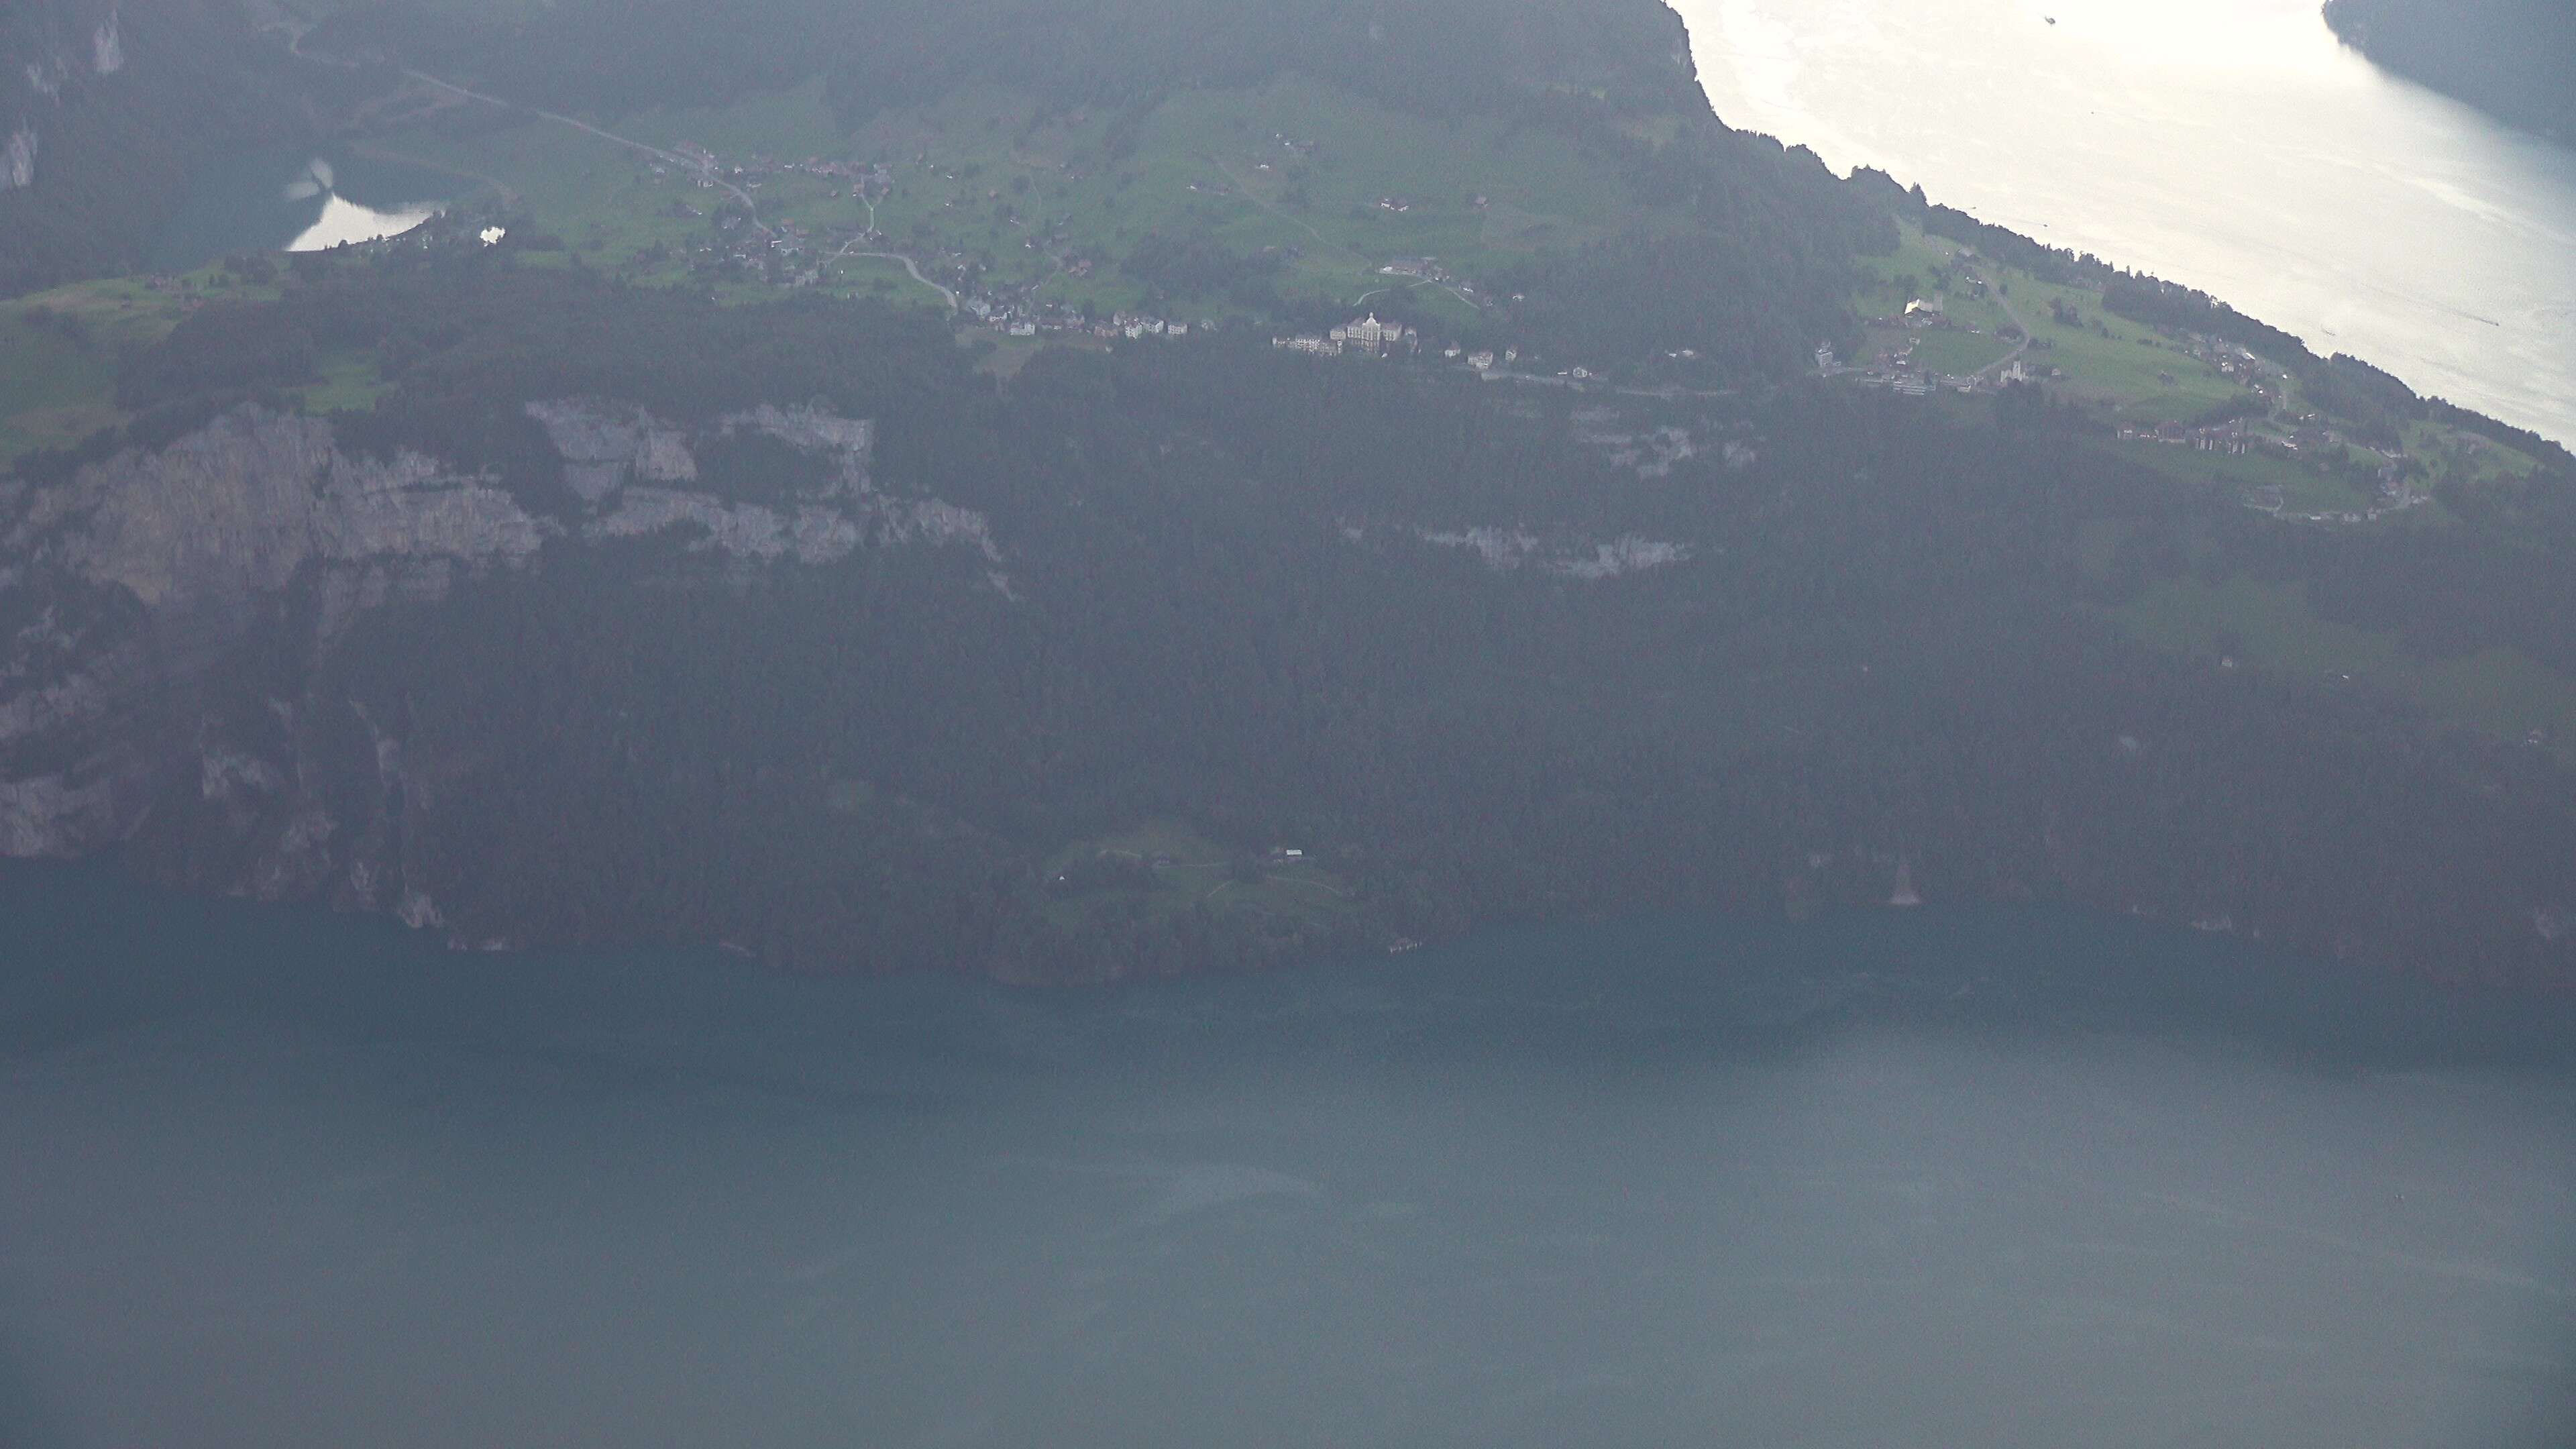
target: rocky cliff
163 612
106 108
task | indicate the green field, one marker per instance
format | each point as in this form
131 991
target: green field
2497 691
54 390
2121 374
1161 868
2304 487
58 357
983 181
1942 351
2132 376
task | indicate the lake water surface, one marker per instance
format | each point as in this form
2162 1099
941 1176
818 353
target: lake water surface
2003 1178
298 200
2233 145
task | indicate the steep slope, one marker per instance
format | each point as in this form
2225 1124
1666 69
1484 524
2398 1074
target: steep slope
2514 58
631 618
611 584
105 105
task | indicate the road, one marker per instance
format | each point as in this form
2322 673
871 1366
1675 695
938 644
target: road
708 173
295 47
849 249
2007 359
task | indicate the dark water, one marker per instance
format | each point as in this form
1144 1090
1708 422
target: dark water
275 200
1983 1177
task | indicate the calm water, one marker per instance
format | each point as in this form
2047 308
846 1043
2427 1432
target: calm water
2229 144
298 200
2002 1179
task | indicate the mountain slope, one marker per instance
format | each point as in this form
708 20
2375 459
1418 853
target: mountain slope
595 629
2514 58
636 555
106 106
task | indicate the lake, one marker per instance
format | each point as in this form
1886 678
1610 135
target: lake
298 199
2233 145
1994 1177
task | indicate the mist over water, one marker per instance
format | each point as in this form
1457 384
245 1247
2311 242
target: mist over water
1982 1178
2233 145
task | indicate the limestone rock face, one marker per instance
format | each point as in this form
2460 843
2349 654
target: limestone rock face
244 503
164 614
604 445
18 159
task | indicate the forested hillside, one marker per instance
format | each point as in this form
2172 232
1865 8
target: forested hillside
2515 58
1161 484
1828 637
106 107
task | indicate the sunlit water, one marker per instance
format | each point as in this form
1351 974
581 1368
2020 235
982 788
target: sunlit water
2231 144
298 201
1999 1179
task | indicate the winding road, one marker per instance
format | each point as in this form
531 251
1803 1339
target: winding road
848 249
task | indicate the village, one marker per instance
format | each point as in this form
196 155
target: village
1947 323
2245 402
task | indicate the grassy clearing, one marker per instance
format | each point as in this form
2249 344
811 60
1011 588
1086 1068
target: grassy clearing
349 383
2304 487
54 390
1164 868
982 180
1944 351
58 355
2133 376
2497 691
2122 370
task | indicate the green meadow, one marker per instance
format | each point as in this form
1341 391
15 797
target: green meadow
2501 692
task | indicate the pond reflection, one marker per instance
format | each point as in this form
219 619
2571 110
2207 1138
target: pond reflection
299 201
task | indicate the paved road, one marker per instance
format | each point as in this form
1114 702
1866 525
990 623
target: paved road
849 249
656 152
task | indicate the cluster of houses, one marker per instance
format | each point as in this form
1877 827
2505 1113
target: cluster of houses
1368 337
1893 367
2231 437
1021 315
707 168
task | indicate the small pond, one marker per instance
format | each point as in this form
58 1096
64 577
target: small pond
299 199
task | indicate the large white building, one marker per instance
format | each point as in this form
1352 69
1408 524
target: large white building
1371 335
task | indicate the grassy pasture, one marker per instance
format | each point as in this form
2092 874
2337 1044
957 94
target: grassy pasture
1167 869
2500 692
1338 187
